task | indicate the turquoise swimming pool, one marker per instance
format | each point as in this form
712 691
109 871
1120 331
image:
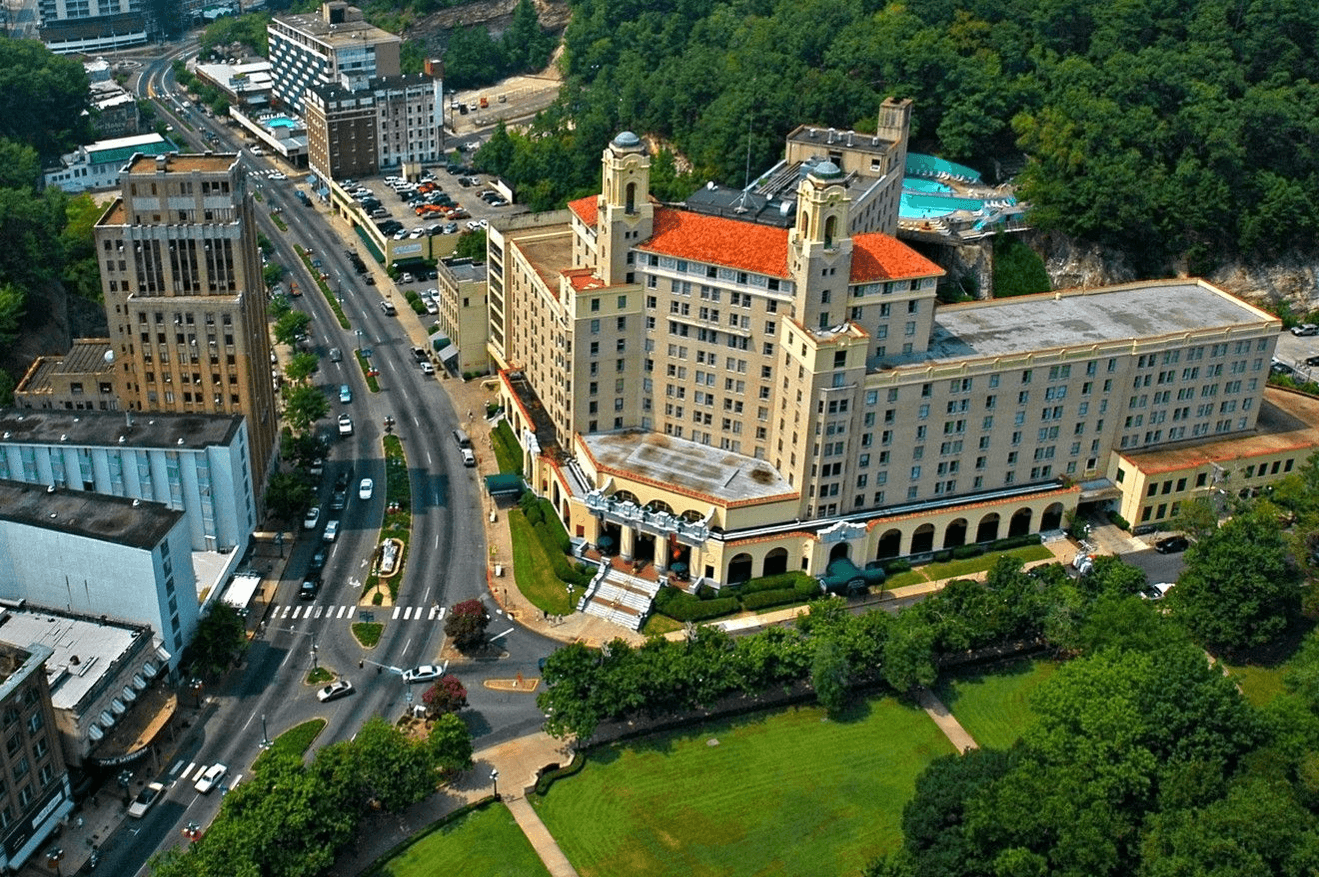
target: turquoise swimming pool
916 184
281 122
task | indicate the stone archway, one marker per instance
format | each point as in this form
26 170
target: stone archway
954 535
922 541
987 531
739 569
1052 519
842 549
890 545
776 562
1020 523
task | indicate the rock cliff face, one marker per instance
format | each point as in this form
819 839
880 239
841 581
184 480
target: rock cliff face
494 14
1073 265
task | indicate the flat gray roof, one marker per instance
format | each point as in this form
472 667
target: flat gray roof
1077 319
123 521
84 650
103 428
689 467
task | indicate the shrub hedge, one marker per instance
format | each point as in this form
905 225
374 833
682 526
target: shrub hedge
682 606
776 597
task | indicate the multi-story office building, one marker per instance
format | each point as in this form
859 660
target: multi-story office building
197 464
334 45
185 296
380 125
461 299
748 396
126 559
69 26
35 796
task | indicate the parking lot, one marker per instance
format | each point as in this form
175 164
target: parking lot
1294 350
441 203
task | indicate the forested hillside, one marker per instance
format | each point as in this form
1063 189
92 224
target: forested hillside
1161 127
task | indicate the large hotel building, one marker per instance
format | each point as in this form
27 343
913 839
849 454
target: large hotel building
185 296
766 382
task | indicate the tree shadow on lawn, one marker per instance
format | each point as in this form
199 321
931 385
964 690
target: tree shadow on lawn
1276 652
945 690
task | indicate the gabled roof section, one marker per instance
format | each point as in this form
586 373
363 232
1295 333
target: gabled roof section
585 209
878 256
715 240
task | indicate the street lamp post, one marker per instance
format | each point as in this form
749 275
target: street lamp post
265 737
494 781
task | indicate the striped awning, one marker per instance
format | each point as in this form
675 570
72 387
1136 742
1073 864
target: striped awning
95 732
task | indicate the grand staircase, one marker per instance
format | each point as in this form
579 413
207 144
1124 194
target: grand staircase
619 598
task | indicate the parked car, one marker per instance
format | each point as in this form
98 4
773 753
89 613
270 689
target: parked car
334 691
1305 330
345 393
210 778
145 798
331 531
1312 361
312 518
1172 545
427 368
1156 591
388 308
424 673
366 489
345 425
469 459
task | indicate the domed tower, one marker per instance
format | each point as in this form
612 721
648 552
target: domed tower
820 247
625 214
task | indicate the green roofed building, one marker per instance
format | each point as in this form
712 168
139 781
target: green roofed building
97 165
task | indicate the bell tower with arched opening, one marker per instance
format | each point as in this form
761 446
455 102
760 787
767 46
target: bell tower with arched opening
820 247
626 216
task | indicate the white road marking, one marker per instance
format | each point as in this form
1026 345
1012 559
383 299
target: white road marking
351 610
397 610
188 770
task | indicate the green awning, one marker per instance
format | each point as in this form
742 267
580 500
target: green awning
370 244
504 484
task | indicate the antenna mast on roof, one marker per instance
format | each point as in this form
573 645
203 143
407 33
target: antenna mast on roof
747 184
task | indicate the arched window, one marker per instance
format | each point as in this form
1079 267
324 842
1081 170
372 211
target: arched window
631 197
830 229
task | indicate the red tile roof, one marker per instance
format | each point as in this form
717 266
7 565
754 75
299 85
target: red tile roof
586 209
583 279
880 257
719 241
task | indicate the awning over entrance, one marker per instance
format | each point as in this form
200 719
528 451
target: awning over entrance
504 484
448 353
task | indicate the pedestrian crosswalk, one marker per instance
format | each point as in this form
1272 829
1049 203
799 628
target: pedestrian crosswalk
194 771
303 611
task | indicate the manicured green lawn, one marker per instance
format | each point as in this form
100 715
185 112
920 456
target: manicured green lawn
507 452
994 707
932 572
294 741
787 793
1259 684
532 569
483 843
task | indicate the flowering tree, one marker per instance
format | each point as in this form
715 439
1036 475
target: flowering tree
447 695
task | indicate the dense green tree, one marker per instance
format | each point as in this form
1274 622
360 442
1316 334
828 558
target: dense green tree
393 768
20 166
1239 585
44 99
303 406
301 366
290 326
221 636
830 676
250 30
12 304
450 744
288 495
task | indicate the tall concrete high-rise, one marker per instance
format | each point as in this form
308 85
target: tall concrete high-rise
185 297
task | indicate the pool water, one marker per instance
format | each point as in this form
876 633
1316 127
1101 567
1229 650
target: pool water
916 184
281 122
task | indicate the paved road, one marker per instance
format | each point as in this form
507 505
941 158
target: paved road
446 563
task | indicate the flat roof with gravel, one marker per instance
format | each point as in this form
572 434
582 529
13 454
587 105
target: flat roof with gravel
687 467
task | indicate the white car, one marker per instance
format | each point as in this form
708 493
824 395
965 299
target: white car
427 368
424 673
145 798
211 778
431 306
334 691
311 519
276 175
331 531
473 225
345 425
366 488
